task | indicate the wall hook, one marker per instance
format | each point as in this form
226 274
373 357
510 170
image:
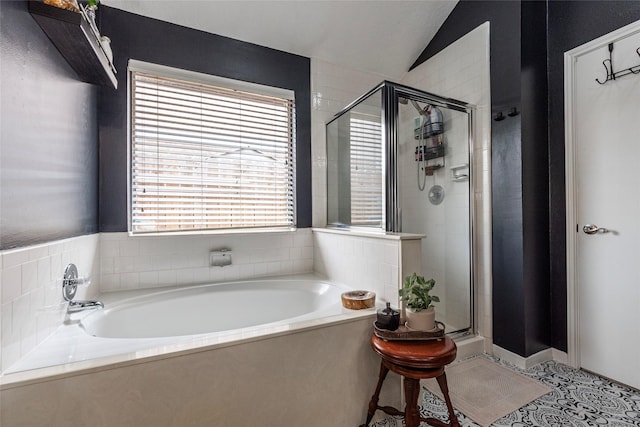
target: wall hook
608 67
513 112
499 117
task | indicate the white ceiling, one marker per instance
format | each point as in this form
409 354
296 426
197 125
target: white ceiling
381 36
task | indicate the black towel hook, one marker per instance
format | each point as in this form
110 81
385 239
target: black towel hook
608 66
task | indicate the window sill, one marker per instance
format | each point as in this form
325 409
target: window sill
374 234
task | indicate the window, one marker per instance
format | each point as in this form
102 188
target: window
208 153
366 170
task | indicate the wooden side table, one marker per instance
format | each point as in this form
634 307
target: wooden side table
414 360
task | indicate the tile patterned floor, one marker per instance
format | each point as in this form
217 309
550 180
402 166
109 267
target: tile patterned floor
578 399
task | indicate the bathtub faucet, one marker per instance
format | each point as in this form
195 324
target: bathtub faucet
70 283
76 306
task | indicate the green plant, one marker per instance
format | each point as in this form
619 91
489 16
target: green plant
93 3
415 291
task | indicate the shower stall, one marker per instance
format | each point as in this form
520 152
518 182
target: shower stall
400 160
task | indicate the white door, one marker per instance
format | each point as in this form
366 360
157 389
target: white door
606 198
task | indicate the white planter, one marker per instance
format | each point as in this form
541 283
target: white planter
424 320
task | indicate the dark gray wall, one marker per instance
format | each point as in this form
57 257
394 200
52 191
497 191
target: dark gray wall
571 23
136 37
48 138
535 176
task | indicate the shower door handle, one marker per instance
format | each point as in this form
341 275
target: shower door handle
593 229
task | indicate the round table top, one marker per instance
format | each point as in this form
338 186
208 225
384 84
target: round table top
416 354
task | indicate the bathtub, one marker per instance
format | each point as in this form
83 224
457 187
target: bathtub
138 324
215 354
211 308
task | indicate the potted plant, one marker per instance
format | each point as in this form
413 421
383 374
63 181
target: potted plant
420 312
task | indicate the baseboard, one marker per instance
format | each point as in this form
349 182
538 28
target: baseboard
559 356
523 362
469 347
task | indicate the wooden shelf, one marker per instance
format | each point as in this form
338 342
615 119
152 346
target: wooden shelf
72 34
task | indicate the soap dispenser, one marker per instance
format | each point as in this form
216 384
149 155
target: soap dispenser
388 318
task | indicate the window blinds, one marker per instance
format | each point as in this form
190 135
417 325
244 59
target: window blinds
206 157
366 171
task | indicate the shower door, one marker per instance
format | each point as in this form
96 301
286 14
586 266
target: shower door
434 189
355 178
399 160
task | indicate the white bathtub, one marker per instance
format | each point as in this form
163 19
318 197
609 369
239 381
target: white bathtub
213 308
138 324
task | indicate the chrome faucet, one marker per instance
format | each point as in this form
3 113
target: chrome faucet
70 282
76 306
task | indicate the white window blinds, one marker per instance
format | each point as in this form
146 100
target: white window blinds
366 171
205 157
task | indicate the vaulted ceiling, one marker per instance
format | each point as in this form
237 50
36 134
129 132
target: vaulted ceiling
382 36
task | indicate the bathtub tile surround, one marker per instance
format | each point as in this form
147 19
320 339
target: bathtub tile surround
31 283
32 306
374 262
137 262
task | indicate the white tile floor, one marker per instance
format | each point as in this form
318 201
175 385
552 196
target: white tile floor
578 399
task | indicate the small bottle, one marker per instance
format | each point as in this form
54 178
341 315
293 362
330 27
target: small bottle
106 46
388 318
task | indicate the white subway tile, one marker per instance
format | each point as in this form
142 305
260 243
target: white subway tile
28 335
186 276
201 275
44 270
140 263
286 267
129 247
273 268
11 283
246 271
231 272
7 322
108 247
21 312
29 276
261 269
57 268
123 264
129 281
14 258
110 282
10 354
167 278
148 279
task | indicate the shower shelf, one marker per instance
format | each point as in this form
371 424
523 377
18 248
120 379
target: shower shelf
434 152
458 172
72 35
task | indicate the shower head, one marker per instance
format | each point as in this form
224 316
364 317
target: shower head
420 110
402 100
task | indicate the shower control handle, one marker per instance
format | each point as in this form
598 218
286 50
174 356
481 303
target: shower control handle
593 229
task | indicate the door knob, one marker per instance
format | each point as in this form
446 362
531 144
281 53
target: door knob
593 229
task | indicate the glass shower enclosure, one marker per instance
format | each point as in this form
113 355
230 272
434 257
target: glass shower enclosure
400 160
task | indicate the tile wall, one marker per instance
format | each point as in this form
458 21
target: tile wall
31 283
333 87
368 263
154 261
461 71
